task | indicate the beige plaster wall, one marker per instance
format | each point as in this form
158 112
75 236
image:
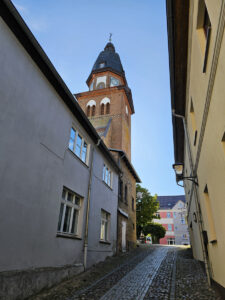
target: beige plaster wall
210 162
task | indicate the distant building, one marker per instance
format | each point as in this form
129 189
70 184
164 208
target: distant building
173 213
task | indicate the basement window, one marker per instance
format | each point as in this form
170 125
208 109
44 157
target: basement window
223 142
204 31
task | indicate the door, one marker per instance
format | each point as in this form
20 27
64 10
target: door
124 226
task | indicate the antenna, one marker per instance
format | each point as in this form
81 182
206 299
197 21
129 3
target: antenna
110 37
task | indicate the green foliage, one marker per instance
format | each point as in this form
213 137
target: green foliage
156 230
146 207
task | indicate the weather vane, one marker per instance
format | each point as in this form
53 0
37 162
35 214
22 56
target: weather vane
110 37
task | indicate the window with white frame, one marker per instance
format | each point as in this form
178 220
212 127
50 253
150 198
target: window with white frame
69 212
171 241
157 215
107 175
105 226
78 145
168 215
169 227
182 220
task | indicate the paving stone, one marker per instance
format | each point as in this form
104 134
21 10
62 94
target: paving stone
151 272
136 283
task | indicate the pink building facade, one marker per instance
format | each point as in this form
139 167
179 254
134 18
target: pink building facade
172 213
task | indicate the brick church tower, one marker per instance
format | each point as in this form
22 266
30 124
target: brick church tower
109 105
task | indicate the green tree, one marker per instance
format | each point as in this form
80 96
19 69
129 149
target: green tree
157 231
146 207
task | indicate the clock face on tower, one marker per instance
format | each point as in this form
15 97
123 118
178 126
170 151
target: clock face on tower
114 81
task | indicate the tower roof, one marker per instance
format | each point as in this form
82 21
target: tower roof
111 61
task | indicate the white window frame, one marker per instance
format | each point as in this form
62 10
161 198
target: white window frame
171 227
170 241
114 78
168 214
182 220
73 142
107 175
105 226
74 209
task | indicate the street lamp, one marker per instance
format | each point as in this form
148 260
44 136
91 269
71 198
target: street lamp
179 171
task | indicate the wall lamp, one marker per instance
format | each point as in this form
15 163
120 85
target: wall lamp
179 171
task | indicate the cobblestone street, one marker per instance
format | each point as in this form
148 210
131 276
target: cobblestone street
150 272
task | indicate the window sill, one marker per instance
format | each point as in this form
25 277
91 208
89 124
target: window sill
74 154
69 236
108 186
104 242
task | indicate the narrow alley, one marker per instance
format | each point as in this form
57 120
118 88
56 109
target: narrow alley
150 272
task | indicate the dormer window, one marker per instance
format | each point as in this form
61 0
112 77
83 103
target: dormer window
102 65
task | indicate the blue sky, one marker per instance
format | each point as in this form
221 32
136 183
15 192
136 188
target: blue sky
72 33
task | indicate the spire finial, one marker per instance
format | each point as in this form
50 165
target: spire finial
110 37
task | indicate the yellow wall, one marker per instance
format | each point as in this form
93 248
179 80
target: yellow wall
207 90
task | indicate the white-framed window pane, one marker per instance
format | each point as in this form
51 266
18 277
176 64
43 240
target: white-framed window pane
69 197
64 194
74 221
66 224
109 178
71 144
78 145
104 225
60 216
106 230
84 152
72 139
77 200
103 173
102 236
169 227
72 134
106 175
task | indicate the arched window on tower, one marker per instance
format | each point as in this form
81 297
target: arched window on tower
102 108
105 106
101 85
88 110
108 108
93 111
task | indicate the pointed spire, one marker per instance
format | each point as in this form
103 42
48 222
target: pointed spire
110 37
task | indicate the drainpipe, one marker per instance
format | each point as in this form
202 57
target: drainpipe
197 203
88 207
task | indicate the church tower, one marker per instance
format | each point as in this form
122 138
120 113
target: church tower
108 103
